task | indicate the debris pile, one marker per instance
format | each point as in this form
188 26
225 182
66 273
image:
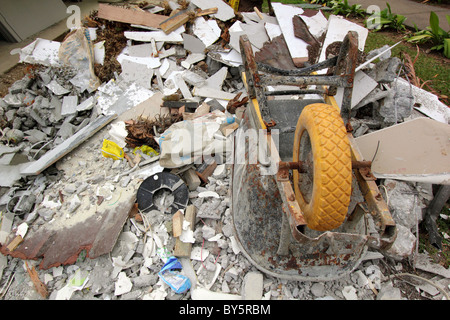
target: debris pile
103 189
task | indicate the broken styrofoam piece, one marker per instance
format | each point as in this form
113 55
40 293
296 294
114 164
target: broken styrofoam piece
416 150
224 11
337 29
40 51
203 30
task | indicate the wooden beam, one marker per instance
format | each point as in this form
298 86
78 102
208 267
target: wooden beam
183 249
132 16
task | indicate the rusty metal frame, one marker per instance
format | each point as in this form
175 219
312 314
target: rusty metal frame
344 65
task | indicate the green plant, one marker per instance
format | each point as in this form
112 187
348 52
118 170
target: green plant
386 19
434 34
340 7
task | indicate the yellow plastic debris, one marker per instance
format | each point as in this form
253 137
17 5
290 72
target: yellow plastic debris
111 150
146 150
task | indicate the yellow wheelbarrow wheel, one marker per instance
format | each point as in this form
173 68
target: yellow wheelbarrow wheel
323 189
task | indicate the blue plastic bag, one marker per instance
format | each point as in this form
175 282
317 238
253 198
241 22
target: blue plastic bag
171 276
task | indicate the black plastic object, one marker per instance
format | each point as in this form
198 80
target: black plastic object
159 181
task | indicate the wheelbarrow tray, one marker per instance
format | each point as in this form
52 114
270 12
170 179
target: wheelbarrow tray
269 226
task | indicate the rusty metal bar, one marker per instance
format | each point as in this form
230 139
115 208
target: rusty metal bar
297 72
293 92
271 80
299 165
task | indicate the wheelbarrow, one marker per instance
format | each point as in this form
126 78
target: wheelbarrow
305 205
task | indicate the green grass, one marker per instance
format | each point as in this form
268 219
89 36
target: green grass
427 65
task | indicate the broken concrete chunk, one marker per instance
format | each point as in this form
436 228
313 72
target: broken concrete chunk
87 104
252 286
56 88
385 71
69 105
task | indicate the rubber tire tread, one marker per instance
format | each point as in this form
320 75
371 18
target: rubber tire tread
332 175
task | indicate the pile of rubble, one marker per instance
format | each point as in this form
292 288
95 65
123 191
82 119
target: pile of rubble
81 157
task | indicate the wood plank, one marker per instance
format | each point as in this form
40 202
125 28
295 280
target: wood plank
14 243
177 223
68 145
174 22
132 16
183 249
